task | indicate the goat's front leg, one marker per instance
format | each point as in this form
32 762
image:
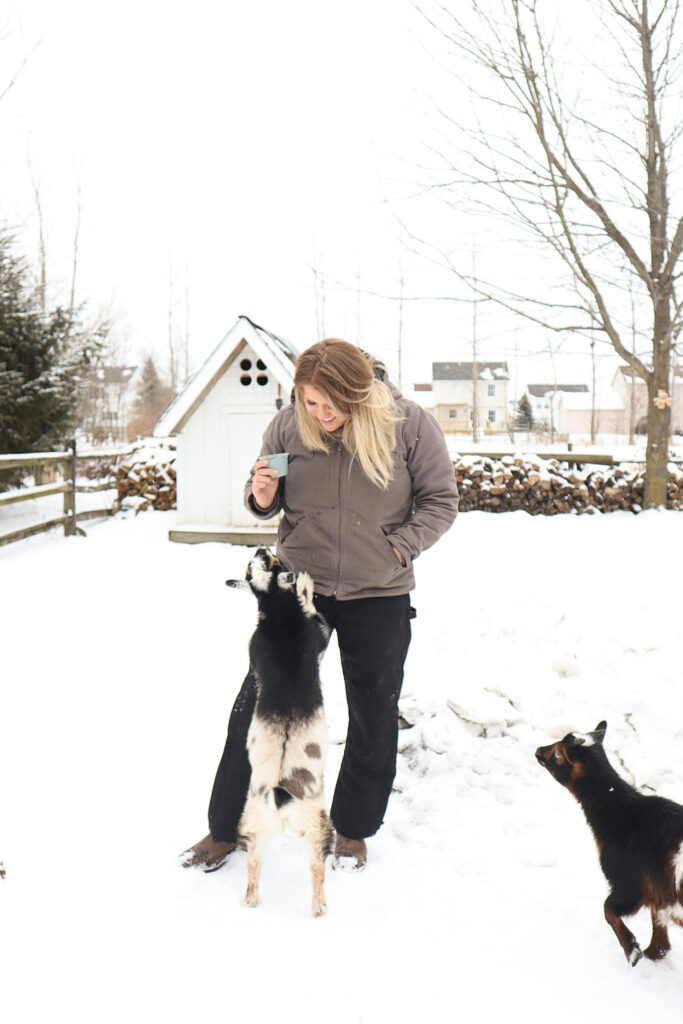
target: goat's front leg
627 939
659 943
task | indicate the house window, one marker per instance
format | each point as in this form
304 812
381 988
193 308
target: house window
492 390
492 416
452 414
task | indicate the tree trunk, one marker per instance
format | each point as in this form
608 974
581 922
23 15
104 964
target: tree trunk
658 420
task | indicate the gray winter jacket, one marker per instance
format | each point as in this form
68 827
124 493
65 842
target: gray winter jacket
340 527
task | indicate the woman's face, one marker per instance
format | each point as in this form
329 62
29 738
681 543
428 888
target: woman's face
318 406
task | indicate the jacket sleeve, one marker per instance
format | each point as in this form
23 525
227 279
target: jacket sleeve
271 443
435 492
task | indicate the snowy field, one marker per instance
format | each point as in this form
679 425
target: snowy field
482 899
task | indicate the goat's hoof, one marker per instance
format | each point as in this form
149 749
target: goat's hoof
656 954
320 910
635 955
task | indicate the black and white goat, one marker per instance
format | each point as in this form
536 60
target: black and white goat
287 739
639 839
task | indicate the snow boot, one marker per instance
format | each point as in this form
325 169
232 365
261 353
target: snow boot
208 854
349 854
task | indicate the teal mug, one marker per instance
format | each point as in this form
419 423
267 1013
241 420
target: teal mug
277 462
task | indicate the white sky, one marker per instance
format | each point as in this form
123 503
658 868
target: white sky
233 147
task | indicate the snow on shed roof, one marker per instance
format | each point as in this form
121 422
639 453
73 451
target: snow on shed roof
278 354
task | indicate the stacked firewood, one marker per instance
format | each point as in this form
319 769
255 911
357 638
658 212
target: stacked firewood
548 487
146 478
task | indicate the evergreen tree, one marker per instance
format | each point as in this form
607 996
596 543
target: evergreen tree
525 417
42 362
152 398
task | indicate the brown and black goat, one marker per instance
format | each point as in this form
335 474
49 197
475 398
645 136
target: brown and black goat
639 839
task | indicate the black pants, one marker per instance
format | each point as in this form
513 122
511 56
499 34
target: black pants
373 635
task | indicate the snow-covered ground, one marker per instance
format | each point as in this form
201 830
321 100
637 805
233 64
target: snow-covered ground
121 654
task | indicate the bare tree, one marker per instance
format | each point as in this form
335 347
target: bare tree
581 158
42 253
74 260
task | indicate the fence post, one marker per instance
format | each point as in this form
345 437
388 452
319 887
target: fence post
70 494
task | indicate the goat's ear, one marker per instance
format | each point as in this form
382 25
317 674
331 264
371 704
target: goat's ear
238 584
599 731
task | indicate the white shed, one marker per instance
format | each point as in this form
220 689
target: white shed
218 420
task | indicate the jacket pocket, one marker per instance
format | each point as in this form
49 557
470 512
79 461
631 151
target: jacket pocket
308 546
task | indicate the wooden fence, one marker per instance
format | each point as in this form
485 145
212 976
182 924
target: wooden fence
67 486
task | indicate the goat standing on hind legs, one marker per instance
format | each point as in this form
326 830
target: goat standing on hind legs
639 839
287 739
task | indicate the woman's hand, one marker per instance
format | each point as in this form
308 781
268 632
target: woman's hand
264 484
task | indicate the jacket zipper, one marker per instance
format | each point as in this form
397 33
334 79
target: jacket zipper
340 449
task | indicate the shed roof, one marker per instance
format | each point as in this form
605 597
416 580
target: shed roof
463 371
278 354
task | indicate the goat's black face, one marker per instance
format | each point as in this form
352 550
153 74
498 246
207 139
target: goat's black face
260 570
265 577
564 758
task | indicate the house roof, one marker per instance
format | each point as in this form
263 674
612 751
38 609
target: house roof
541 390
463 371
628 371
279 355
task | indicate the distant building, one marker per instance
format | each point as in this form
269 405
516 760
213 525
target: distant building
632 390
540 397
453 389
576 416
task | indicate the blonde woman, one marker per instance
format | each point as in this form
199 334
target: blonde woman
369 486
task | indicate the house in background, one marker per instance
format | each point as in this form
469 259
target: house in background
423 395
540 398
577 416
453 392
632 390
218 420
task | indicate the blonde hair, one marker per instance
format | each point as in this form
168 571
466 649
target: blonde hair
346 377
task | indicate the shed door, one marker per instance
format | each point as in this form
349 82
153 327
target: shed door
241 434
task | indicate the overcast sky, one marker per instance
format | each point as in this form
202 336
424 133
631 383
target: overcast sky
224 152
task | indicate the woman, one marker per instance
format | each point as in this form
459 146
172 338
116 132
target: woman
369 486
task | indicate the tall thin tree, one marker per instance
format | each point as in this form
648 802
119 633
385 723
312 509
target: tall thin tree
582 166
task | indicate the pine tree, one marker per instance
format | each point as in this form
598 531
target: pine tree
152 398
525 417
42 362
